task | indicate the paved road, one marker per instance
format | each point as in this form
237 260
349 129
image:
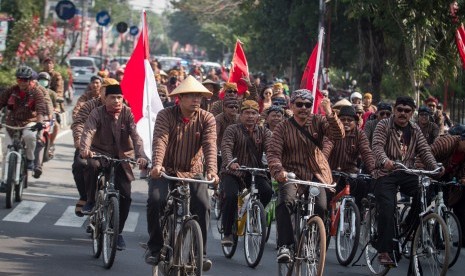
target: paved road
41 235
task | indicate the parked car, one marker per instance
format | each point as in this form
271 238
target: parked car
168 63
83 69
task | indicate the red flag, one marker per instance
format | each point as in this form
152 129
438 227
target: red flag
239 69
459 37
308 79
224 74
140 90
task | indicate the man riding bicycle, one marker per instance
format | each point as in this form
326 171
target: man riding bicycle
397 139
247 142
183 134
297 147
110 130
26 107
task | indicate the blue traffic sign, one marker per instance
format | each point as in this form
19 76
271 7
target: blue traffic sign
134 30
103 18
65 9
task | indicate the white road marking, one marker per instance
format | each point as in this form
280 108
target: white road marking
131 222
62 133
70 219
25 211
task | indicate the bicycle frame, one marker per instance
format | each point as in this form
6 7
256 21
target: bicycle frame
16 147
342 197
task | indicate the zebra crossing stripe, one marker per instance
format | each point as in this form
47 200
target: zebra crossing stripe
131 222
25 211
70 219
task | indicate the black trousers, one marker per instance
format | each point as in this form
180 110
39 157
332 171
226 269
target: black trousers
286 207
459 210
231 185
158 194
78 169
122 184
385 193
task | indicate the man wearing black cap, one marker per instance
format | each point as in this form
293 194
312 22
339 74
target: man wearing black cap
92 92
274 116
110 130
397 139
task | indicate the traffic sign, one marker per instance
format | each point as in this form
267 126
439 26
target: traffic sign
122 27
103 18
65 9
134 30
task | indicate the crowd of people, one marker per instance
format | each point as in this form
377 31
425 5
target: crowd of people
208 130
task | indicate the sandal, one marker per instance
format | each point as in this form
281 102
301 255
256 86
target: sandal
78 209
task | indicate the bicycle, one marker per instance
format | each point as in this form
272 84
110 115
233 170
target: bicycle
104 218
250 222
308 258
345 220
270 210
215 200
15 173
182 251
424 232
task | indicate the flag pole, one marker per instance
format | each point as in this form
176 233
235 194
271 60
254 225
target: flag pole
317 65
146 86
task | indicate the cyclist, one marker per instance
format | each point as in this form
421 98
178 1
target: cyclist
110 130
228 117
245 141
297 147
450 150
437 116
229 89
395 139
92 92
429 129
26 107
182 133
56 81
79 119
384 111
346 152
274 116
213 87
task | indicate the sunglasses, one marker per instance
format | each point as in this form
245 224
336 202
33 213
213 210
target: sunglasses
301 104
279 104
404 110
384 113
231 91
233 106
22 80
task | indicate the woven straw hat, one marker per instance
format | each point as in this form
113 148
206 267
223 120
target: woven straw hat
190 85
341 103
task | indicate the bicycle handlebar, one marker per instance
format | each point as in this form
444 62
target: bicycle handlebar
19 128
292 180
250 169
98 156
417 171
352 175
190 180
444 183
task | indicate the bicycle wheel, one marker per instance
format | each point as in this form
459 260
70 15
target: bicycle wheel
431 246
370 235
455 235
166 253
188 254
348 234
46 156
10 181
270 217
110 231
311 252
216 204
97 237
255 234
22 181
285 269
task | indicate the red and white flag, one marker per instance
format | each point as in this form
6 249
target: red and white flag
459 40
310 76
140 90
239 69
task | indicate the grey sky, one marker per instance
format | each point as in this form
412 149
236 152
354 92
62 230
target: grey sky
154 5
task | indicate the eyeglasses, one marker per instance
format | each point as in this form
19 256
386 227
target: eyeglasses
233 106
229 91
404 110
347 119
302 104
22 80
384 113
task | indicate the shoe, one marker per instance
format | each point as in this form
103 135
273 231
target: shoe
385 259
284 254
78 208
152 258
30 165
37 172
120 245
88 207
227 241
207 264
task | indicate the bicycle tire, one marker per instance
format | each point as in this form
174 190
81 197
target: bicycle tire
455 234
425 241
97 237
46 153
110 231
169 235
346 240
216 204
270 217
228 251
311 251
22 181
371 235
255 234
10 181
285 269
189 262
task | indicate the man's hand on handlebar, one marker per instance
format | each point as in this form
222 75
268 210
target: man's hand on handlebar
213 176
86 154
156 171
282 177
142 162
234 166
389 165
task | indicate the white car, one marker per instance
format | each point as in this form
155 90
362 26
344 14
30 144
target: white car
83 69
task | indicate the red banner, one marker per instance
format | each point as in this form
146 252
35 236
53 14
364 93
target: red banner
459 39
239 69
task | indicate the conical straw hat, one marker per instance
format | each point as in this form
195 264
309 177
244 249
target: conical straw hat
190 85
341 103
